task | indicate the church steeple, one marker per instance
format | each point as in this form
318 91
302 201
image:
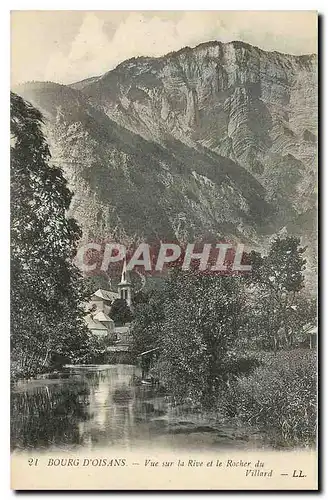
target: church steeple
124 286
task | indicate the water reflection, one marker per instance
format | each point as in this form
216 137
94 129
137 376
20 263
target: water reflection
94 407
86 407
48 415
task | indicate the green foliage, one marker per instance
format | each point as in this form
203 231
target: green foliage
46 288
194 320
276 298
282 269
148 320
93 283
97 348
202 318
278 397
120 312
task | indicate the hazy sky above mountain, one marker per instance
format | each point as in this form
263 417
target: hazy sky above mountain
67 46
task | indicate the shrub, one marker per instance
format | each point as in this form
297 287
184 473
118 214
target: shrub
279 397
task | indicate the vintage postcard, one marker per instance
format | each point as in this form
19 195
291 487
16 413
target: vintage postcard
164 250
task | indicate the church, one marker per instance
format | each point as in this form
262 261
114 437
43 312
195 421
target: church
98 319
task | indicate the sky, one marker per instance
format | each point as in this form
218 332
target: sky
68 46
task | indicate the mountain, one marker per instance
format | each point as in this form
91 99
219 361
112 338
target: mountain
217 141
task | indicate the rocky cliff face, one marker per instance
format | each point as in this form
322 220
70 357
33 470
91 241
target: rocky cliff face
217 141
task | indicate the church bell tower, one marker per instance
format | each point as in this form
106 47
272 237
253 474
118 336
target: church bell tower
124 287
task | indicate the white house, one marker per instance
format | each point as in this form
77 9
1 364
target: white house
102 300
96 327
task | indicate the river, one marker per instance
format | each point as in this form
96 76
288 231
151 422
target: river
99 406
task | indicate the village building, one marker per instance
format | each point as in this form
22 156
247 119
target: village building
101 300
124 287
98 319
96 327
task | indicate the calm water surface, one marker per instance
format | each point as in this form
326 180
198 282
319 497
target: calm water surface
100 406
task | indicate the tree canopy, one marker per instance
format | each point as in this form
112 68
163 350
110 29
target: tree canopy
277 282
120 312
46 287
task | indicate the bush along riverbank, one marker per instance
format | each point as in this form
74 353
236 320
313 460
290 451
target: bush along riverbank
278 397
267 396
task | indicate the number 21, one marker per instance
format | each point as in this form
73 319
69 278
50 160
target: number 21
33 461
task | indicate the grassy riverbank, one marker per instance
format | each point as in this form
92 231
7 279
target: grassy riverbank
279 397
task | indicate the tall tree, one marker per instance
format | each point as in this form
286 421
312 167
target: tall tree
202 319
148 320
46 288
120 312
277 280
194 320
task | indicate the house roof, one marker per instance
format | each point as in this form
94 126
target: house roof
105 295
94 324
101 316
